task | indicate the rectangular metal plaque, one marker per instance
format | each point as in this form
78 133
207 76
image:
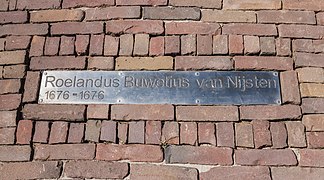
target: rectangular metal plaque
160 87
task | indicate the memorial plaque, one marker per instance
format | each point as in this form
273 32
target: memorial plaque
160 87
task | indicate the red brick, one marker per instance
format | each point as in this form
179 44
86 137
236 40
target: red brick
102 63
111 46
250 29
12 57
17 42
24 131
16 71
41 132
206 133
170 133
14 153
235 44
313 122
31 86
141 2
142 112
207 113
291 173
97 111
174 13
112 13
261 133
278 134
264 112
134 26
220 44
67 45
227 16
188 44
252 4
54 112
289 87
2 44
52 45
31 170
251 45
156 46
24 29
56 15
311 157
304 5
300 31
57 62
172 44
4 5
12 4
225 134
9 86
148 172
77 28
283 46
141 44
320 18
122 132
265 157
263 63
1 71
136 132
192 28
313 105
8 118
308 45
153 131
9 101
315 140
204 44
37 46
307 59
108 131
59 132
96 169
205 4
295 17
64 151
244 135
40 4
86 3
7 135
137 153
188 133
92 132
81 44
296 134
126 44
309 74
268 46
144 63
96 44
76 132
199 155
237 172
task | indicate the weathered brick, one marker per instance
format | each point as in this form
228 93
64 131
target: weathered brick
198 155
31 86
225 134
126 45
235 44
52 45
244 135
206 133
67 45
17 42
205 4
9 101
188 44
12 4
250 29
237 172
1 72
24 131
251 45
263 63
296 134
300 31
174 13
7 135
320 18
96 45
227 16
307 59
265 157
9 86
267 45
291 173
4 5
122 132
261 133
24 29
54 112
108 131
252 4
97 111
172 44
141 2
77 28
148 172
111 45
304 5
141 44
12 57
313 122
81 44
309 74
308 45
37 45
8 118
315 140
102 63
192 28
144 63
96 169
86 3
188 133
204 44
170 133
156 46
64 151
92 132
142 112
278 134
76 132
31 170
295 17
153 131
313 105
40 4
15 71
41 132
57 62
203 62
112 13
311 157
207 113
312 90
59 131
264 112
134 26
289 87
56 15
136 132
137 153
14 153
2 44
283 47
220 44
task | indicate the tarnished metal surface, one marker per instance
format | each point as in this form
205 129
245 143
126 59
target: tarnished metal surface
160 87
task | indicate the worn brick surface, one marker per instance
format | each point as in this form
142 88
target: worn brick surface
188 133
203 63
313 105
130 26
56 15
37 44
77 28
97 111
315 139
9 101
294 17
228 16
144 63
31 86
102 63
167 13
263 63
9 86
220 44
136 132
252 4
225 134
171 44
141 2
12 57
112 13
261 133
308 60
86 3
270 112
153 131
142 112
292 173
311 90
310 74
41 132
296 134
207 113
24 131
24 29
67 45
305 5
14 71
58 133
13 17
76 133
15 153
52 45
191 28
300 31
244 135
111 45
278 134
108 131
311 158
8 118
313 122
206 133
170 133
92 131
17 42
57 62
250 29
7 135
289 86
